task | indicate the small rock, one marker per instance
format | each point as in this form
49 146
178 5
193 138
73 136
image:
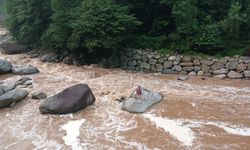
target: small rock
200 73
234 75
159 68
5 66
132 63
241 67
169 71
206 62
188 69
247 73
168 64
182 78
231 65
221 76
138 57
172 58
217 66
205 68
193 73
38 95
50 57
152 61
15 95
183 72
196 62
177 68
186 59
221 71
145 66
22 81
24 70
224 60
186 64
197 68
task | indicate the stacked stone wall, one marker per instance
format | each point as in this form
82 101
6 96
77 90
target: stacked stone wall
151 61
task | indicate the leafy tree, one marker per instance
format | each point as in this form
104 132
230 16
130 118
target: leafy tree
28 19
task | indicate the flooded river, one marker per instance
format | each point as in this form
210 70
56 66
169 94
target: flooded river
195 114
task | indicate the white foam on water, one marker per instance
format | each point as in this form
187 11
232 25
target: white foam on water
72 129
67 115
231 129
175 128
181 130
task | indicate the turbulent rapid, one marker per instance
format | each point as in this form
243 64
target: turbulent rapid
195 114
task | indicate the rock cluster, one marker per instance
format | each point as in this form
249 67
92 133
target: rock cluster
6 67
150 61
11 93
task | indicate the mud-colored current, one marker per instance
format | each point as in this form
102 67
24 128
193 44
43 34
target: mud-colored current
195 114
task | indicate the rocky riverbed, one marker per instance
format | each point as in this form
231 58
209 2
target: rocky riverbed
199 113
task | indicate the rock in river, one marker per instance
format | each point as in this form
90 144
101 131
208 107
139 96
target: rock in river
139 103
5 66
24 70
69 100
12 48
38 95
11 97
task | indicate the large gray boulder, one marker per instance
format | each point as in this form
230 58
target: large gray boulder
5 66
69 100
11 97
140 103
24 70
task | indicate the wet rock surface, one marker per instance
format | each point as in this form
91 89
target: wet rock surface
70 100
139 103
12 48
5 66
11 97
24 70
38 95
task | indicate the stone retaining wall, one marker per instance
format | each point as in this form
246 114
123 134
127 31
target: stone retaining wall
150 61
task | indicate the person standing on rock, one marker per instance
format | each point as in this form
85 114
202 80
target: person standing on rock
138 92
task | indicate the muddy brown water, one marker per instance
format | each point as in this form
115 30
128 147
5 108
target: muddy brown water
195 114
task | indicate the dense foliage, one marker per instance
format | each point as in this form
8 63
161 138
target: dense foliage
208 26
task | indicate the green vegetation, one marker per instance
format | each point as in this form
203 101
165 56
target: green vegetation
2 6
104 26
2 11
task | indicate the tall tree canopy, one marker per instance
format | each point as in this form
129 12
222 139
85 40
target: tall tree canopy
208 26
